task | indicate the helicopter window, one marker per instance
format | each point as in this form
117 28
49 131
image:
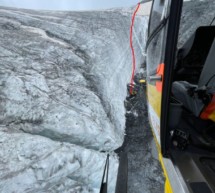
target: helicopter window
195 39
155 52
156 15
198 11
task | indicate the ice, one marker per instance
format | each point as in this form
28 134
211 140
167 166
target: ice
63 79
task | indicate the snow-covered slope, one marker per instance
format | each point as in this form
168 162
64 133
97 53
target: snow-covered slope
63 81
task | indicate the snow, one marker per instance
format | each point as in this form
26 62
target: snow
34 164
63 79
45 36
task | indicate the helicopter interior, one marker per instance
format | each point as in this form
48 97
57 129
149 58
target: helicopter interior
192 110
193 91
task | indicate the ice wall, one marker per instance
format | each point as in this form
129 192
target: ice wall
63 81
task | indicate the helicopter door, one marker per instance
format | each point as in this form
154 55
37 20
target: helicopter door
155 48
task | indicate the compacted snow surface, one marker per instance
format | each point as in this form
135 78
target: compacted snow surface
63 81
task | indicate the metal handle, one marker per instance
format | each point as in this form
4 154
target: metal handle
155 78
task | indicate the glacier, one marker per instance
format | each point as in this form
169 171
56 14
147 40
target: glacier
63 81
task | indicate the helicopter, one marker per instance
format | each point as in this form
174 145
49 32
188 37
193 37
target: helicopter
180 89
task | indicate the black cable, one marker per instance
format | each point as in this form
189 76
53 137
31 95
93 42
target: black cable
212 21
104 185
210 80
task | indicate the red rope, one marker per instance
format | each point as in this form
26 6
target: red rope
132 48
